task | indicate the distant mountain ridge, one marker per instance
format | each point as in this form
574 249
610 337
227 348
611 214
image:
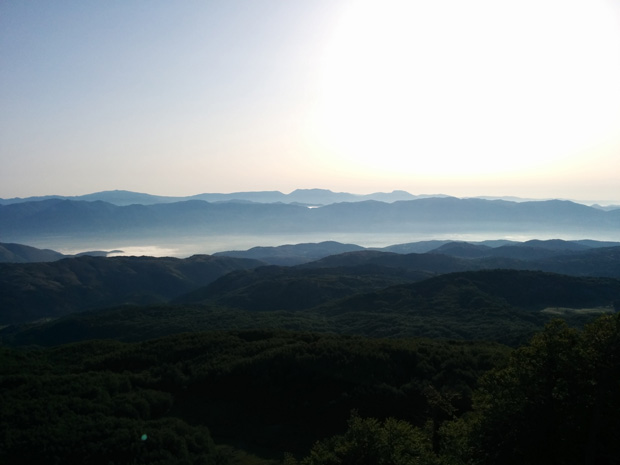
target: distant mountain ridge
421 216
301 196
292 254
599 262
298 196
18 253
297 254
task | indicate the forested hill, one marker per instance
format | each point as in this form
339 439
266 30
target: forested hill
600 261
265 397
269 391
293 254
505 306
30 291
18 253
295 288
488 289
363 357
47 290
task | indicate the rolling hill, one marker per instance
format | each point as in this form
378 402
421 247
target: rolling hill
600 261
292 254
505 306
32 291
280 288
18 253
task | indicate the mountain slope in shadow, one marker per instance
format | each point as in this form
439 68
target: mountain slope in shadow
292 254
281 288
46 290
600 261
505 306
19 253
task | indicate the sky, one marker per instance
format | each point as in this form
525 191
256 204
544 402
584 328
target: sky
484 97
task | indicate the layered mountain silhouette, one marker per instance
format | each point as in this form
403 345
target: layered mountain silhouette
293 254
474 291
70 218
20 253
602 261
296 254
245 354
529 250
312 280
505 306
282 288
33 291
335 276
301 196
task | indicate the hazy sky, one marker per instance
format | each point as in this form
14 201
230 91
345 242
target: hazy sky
474 97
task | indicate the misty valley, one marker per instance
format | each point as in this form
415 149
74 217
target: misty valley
220 306
382 329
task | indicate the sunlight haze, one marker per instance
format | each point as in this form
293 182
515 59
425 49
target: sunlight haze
516 98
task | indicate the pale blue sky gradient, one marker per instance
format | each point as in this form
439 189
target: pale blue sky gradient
177 98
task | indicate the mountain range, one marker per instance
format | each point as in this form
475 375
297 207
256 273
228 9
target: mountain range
505 306
20 253
300 196
72 219
32 291
259 356
296 254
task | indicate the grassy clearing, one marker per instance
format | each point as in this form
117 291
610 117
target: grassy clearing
581 311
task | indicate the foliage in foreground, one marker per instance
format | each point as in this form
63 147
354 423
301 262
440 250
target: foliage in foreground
269 390
369 441
556 402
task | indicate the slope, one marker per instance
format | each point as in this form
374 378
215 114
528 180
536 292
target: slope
505 306
18 253
281 288
46 290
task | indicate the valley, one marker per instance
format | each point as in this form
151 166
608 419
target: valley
323 232
346 347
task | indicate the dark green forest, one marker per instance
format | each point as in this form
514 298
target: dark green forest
271 396
361 358
504 306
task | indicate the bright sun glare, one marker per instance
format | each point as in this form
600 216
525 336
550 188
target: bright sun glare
455 88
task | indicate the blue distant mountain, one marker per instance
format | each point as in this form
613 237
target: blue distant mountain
427 216
301 196
18 253
311 197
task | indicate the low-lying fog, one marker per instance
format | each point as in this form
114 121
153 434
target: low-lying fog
186 246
